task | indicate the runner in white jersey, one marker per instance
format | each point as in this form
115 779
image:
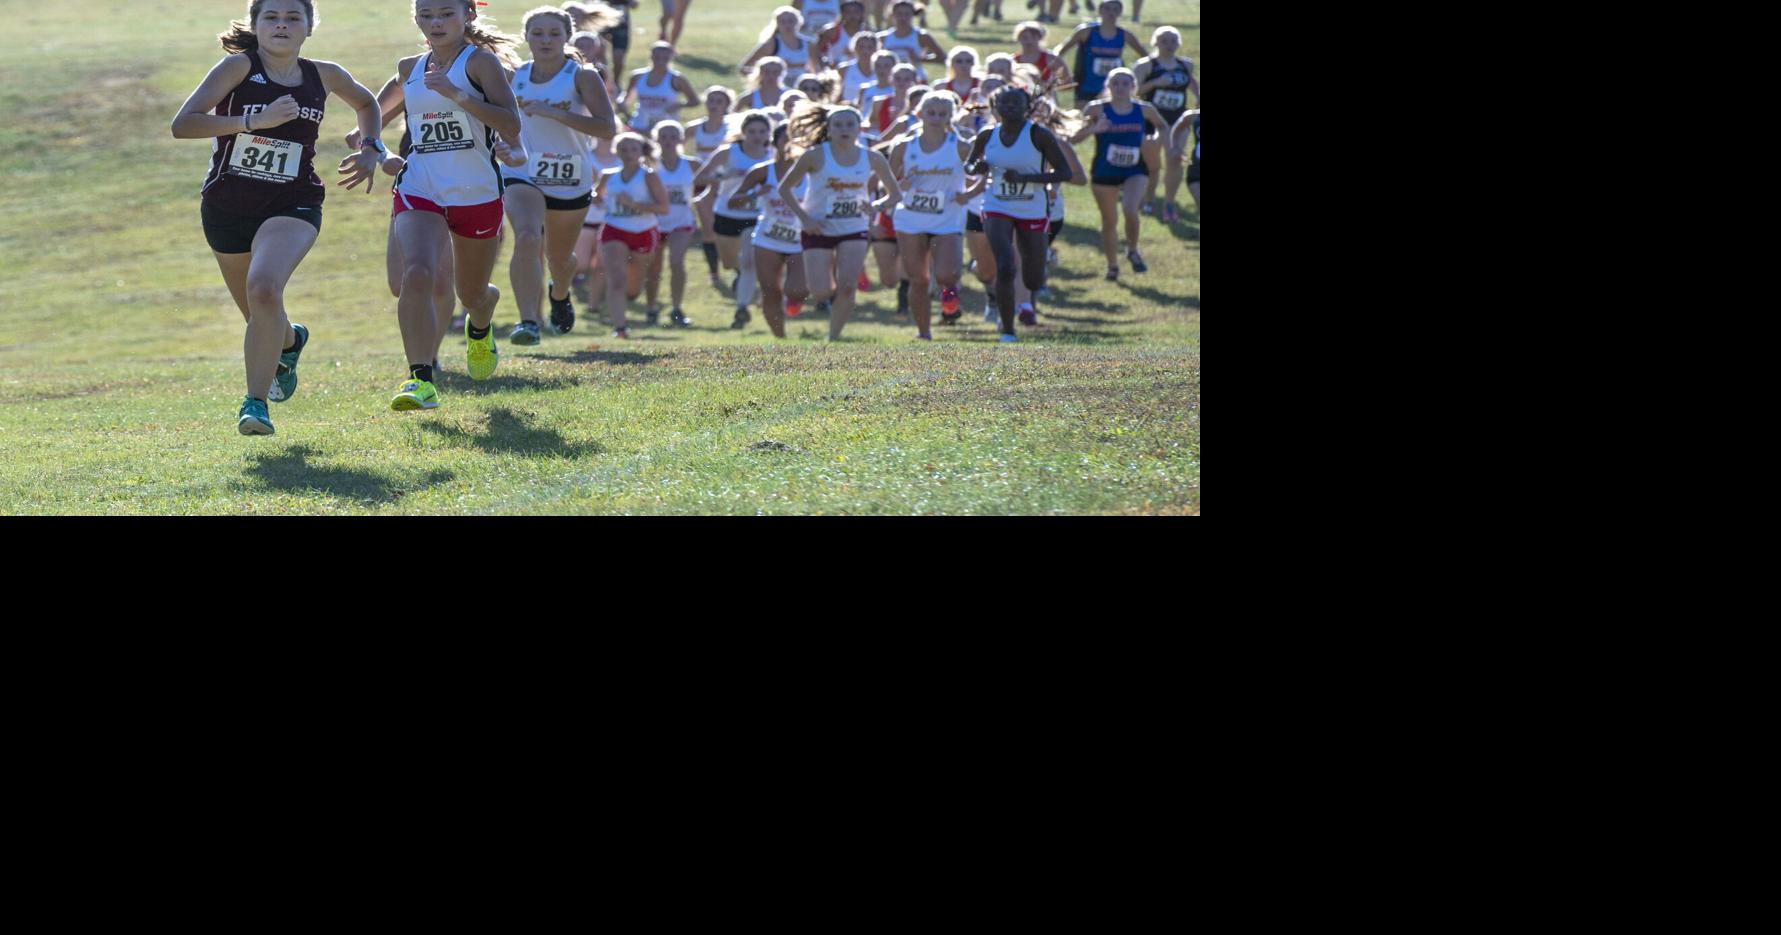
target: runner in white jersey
763 89
882 84
1015 156
835 208
728 167
678 225
856 72
563 108
708 136
909 44
776 238
590 280
458 99
818 14
785 40
834 42
930 220
635 201
658 91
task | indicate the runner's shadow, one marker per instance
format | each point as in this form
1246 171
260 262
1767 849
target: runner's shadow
616 358
1162 298
689 60
510 432
292 471
500 383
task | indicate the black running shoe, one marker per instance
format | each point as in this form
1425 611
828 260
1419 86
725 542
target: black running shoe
1136 261
903 297
562 313
742 318
678 319
652 317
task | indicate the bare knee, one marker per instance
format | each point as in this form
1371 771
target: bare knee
528 241
918 279
263 291
418 277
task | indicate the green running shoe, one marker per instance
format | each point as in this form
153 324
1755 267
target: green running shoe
482 355
415 394
253 419
284 386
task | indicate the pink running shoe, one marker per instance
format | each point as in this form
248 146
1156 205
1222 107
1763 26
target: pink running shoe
792 309
865 284
949 300
1027 315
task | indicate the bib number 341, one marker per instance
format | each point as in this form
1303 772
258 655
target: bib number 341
265 159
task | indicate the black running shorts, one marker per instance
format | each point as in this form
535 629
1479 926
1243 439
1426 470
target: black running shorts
553 204
731 227
234 233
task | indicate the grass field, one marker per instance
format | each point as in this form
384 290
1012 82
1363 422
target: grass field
120 350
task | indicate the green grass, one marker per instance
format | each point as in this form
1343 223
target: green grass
120 350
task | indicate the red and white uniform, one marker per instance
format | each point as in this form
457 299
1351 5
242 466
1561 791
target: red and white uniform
779 229
636 227
837 196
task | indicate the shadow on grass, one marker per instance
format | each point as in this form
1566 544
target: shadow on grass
1162 298
292 471
509 432
459 382
616 358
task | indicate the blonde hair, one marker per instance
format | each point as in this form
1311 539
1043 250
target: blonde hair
241 36
975 58
754 79
1162 31
656 134
773 22
989 64
1031 24
649 147
593 17
498 44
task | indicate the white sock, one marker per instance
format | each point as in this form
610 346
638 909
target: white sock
745 288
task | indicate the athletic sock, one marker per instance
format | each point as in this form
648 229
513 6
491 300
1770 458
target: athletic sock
298 345
477 334
745 289
711 257
421 372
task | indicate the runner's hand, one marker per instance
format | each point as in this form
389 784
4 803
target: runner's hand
439 83
354 138
541 109
278 113
359 167
507 154
392 166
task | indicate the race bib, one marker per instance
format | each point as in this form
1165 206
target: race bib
1013 191
614 208
265 159
1122 156
1170 100
1104 66
443 132
782 232
923 202
844 209
903 55
557 170
677 196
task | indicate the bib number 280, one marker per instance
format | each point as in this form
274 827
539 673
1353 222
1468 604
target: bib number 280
265 159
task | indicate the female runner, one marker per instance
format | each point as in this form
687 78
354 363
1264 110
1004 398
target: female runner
1031 37
963 60
262 202
776 236
1103 49
1118 126
930 219
834 209
784 39
764 88
655 90
834 42
1014 156
708 136
729 166
818 14
635 198
1165 81
909 44
458 89
676 172
884 66
857 72
590 279
562 105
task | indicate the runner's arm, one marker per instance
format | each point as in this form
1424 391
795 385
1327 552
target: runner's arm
755 178
193 122
1053 151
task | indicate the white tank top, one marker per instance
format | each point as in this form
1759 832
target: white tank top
907 48
819 14
841 50
739 164
596 210
757 102
655 102
797 61
929 205
1017 200
558 156
453 160
706 143
679 183
837 196
779 227
852 80
634 220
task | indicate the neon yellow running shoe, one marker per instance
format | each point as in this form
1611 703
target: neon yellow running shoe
416 394
482 355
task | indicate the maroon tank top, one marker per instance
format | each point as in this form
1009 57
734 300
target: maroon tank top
266 171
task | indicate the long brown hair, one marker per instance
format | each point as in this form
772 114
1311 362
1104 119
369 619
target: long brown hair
241 37
810 125
593 17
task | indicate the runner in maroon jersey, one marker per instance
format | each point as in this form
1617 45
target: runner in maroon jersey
262 201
